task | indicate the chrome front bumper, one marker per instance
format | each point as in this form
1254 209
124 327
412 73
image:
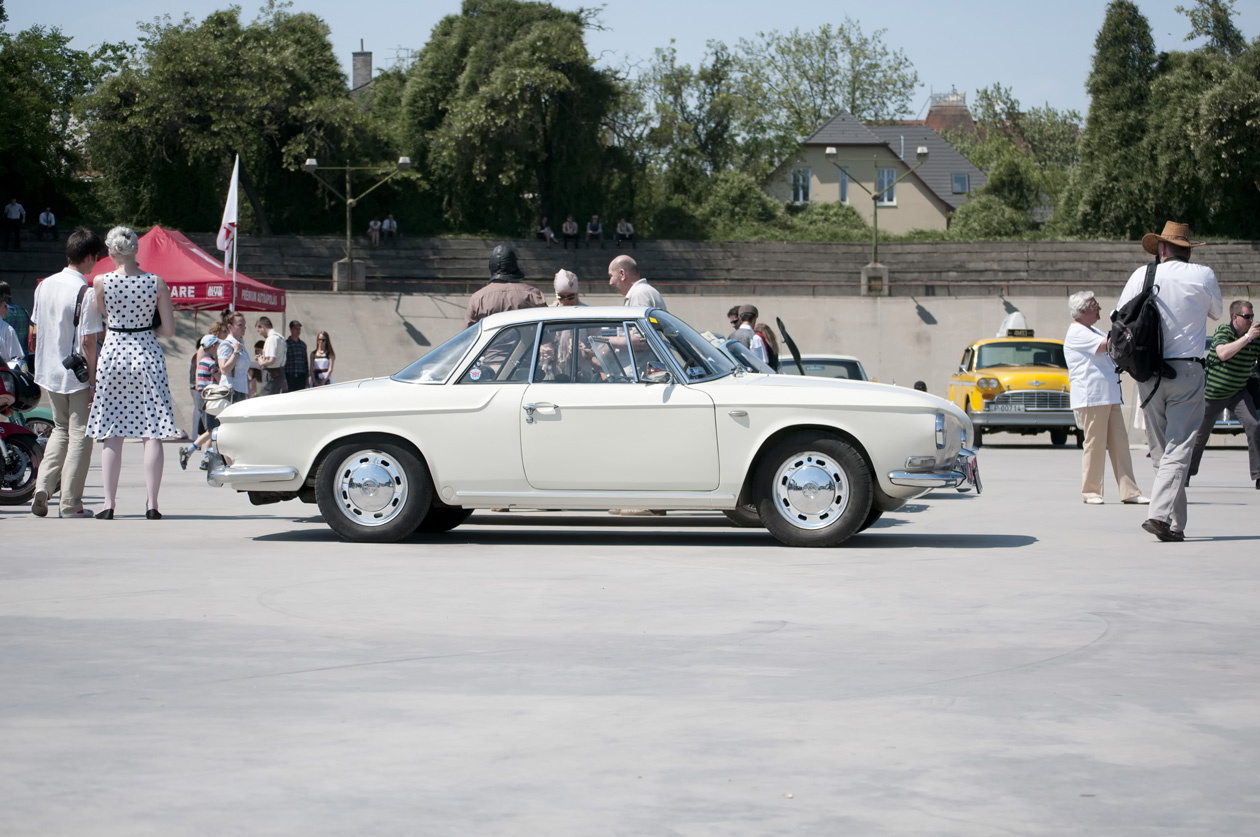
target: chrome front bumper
963 474
1046 419
219 474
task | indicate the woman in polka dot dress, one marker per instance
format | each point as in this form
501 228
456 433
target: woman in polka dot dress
133 396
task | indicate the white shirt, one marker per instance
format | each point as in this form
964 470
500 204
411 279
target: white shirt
11 348
239 379
13 211
1091 373
641 293
757 344
389 224
276 348
625 228
1188 296
46 219
53 316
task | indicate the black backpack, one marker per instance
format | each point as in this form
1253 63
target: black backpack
1136 341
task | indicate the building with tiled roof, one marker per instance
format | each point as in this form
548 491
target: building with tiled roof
866 159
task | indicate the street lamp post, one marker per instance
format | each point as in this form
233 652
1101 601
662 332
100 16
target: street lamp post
404 163
920 154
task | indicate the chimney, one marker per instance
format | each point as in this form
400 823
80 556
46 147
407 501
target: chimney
361 71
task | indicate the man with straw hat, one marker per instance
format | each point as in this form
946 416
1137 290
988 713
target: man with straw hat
1186 295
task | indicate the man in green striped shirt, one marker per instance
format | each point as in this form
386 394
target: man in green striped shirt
1235 347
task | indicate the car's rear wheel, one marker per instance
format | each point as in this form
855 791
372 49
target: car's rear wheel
813 489
443 519
1058 438
1080 438
744 516
373 491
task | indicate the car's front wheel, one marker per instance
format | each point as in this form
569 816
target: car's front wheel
813 489
373 491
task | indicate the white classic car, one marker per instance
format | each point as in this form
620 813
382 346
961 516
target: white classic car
593 408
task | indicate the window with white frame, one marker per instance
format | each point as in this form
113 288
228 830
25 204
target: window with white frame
884 180
962 184
800 185
844 186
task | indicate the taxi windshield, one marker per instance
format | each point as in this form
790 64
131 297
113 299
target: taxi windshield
1021 353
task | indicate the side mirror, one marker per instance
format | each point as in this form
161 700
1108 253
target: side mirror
962 369
653 374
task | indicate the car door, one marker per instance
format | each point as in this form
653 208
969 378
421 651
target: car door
597 417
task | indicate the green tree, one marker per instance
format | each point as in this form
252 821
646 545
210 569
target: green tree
1214 20
797 80
984 218
165 129
1111 191
1027 154
41 144
509 115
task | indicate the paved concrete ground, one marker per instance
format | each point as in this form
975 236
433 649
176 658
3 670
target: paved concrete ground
1018 663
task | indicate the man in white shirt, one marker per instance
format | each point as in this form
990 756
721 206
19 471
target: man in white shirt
272 359
69 451
12 352
14 218
747 332
47 224
623 277
1096 400
625 232
233 361
1188 296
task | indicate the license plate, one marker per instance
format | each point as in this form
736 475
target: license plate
1004 408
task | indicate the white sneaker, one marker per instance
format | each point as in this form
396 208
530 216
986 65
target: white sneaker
1138 501
83 514
1094 501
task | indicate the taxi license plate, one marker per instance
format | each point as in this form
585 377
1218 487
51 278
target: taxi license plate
1004 408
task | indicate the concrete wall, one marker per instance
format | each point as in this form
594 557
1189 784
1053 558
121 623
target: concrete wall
899 340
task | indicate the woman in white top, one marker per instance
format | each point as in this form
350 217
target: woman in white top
323 358
1097 402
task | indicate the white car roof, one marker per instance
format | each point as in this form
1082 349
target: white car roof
565 312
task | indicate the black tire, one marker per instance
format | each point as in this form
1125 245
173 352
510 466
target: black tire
1080 439
373 491
42 428
875 514
978 441
813 489
1058 438
443 519
20 470
744 516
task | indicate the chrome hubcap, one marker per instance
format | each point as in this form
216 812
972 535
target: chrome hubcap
810 490
371 488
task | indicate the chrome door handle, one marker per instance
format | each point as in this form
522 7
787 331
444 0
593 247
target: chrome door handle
542 406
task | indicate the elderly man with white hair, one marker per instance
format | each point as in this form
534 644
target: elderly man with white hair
1096 401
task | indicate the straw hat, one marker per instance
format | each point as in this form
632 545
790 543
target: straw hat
1173 233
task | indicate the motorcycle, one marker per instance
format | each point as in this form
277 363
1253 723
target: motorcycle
20 450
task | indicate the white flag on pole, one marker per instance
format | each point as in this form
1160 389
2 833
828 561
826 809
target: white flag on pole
226 240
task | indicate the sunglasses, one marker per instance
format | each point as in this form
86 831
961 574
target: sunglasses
566 297
1245 316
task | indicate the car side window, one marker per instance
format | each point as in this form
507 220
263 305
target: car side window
506 360
580 353
965 363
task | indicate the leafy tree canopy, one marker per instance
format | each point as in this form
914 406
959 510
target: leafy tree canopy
1214 20
165 129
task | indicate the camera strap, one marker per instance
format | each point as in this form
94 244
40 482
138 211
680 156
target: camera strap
78 310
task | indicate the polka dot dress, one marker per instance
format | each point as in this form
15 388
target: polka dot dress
133 395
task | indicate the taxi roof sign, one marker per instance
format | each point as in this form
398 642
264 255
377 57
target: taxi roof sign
1020 332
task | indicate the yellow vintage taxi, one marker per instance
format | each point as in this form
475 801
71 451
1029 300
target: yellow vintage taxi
1015 384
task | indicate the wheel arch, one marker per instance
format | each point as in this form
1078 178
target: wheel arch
745 490
365 437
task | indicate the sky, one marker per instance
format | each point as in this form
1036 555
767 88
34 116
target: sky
1042 51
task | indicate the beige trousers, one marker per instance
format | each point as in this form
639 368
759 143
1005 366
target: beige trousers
69 452
1105 434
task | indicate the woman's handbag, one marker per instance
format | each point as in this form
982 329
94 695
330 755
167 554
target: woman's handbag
215 398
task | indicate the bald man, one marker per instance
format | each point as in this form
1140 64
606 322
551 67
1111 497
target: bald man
623 276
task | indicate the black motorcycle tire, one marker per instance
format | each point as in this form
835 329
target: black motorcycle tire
19 470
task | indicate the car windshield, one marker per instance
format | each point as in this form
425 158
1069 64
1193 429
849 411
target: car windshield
745 357
700 359
824 368
437 365
1021 353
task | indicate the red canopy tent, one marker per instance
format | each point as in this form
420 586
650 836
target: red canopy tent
196 279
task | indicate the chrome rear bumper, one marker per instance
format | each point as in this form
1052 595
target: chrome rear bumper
963 474
219 474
